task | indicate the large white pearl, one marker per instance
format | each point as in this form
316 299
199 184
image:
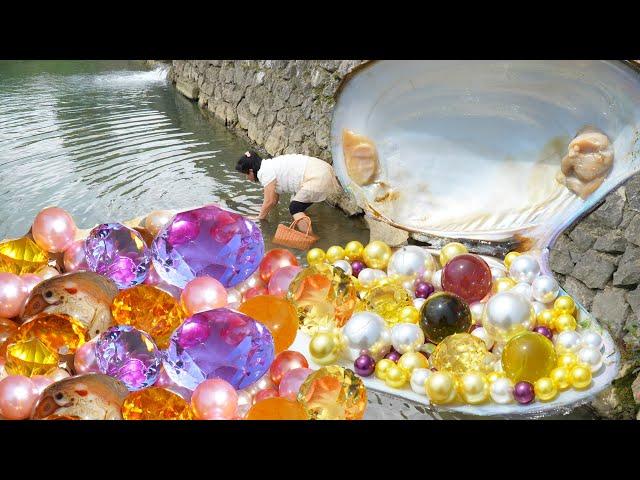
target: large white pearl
477 309
436 280
363 330
567 341
418 379
501 390
411 261
507 313
498 272
523 289
368 275
417 302
591 357
406 337
545 288
524 268
592 339
408 285
344 266
482 334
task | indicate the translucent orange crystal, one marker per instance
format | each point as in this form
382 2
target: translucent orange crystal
21 256
29 358
155 403
59 332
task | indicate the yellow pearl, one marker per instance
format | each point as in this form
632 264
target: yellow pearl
315 256
580 376
564 304
334 254
545 318
564 321
567 360
409 314
473 388
323 348
502 284
451 250
441 387
412 360
508 258
545 389
396 377
560 377
493 376
382 366
376 255
353 250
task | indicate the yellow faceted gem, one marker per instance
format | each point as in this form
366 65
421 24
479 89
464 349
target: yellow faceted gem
382 366
580 376
333 393
30 357
502 284
323 348
21 256
451 250
461 353
545 318
353 251
396 377
315 256
149 309
567 360
409 361
156 403
508 258
528 356
388 299
334 254
440 387
473 388
409 314
376 255
560 377
545 389
60 333
564 321
564 304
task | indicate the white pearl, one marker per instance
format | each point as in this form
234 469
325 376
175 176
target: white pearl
245 400
363 330
477 309
524 268
538 307
410 261
545 289
501 391
234 296
406 337
482 334
592 339
368 275
567 341
418 379
344 266
590 356
408 285
436 280
264 382
417 302
498 272
523 289
506 314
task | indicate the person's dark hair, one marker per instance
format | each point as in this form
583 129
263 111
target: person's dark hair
249 161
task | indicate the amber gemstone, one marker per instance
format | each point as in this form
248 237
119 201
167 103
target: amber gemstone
29 358
277 314
277 408
59 332
156 403
8 329
21 256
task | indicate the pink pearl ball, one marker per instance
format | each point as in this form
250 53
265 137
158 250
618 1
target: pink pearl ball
84 360
202 294
291 382
74 258
40 382
255 291
53 229
29 280
214 399
17 396
280 280
12 295
264 394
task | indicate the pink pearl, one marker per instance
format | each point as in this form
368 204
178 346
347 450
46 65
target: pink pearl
53 229
202 294
255 291
74 259
152 277
85 359
214 399
29 280
290 383
280 280
17 396
264 394
12 295
40 382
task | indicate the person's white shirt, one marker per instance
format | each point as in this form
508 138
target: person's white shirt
287 170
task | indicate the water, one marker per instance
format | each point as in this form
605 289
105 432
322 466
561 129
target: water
111 141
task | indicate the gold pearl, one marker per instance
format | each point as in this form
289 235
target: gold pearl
353 250
564 321
503 284
508 258
580 376
315 256
409 314
545 389
441 387
545 318
451 250
382 366
376 255
412 360
396 377
493 376
560 377
564 304
474 388
567 360
323 348
334 254
156 220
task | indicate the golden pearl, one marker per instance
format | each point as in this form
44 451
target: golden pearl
564 321
493 376
334 254
376 255
545 389
560 377
451 250
580 376
502 284
474 388
564 304
323 348
353 250
409 314
396 377
545 318
315 256
156 220
382 366
567 360
508 258
441 387
412 360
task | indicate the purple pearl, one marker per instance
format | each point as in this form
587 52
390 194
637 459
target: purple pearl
364 365
523 393
423 289
544 331
357 266
393 356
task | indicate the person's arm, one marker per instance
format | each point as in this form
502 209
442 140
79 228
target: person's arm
270 200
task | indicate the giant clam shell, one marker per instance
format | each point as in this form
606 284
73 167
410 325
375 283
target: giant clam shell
472 149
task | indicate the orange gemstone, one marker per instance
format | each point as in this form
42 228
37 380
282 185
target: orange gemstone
59 332
29 358
277 314
8 328
155 403
277 408
21 256
149 309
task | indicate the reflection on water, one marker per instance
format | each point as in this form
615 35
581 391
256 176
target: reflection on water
110 141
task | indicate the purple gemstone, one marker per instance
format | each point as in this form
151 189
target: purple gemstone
356 267
118 253
364 365
207 241
128 354
423 289
524 393
544 331
219 343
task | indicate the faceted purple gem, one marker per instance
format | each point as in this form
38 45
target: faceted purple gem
128 354
207 241
118 253
219 343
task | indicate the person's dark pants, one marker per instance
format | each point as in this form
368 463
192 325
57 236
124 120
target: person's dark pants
298 207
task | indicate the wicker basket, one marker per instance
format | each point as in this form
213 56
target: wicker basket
290 237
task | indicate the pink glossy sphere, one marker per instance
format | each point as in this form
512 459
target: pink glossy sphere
12 295
29 280
53 229
84 360
40 382
202 294
17 396
285 361
264 394
214 399
74 258
274 260
290 383
255 291
468 276
280 280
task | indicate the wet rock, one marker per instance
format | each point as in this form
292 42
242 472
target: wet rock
188 89
585 234
633 299
561 261
611 242
611 309
579 291
276 141
628 272
633 193
594 269
632 232
609 214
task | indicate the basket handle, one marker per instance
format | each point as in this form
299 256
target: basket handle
294 223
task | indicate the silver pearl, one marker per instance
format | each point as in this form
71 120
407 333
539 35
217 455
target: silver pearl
406 337
523 289
368 275
363 330
498 272
524 268
417 302
567 341
592 339
436 280
477 309
408 285
501 391
545 289
411 262
344 266
507 313
418 379
482 334
591 357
